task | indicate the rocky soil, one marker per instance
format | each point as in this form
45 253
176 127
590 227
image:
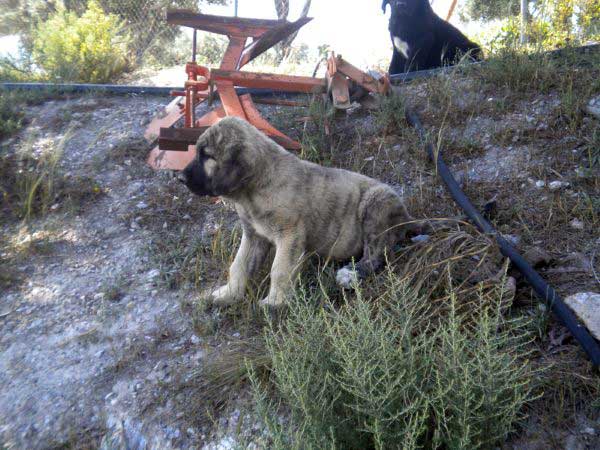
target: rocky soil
94 340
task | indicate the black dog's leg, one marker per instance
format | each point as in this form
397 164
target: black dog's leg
398 64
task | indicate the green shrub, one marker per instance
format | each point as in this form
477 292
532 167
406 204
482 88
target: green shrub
12 104
11 116
393 373
90 48
390 115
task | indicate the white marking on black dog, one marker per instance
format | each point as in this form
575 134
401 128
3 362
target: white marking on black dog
401 46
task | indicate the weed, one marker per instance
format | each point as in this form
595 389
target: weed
372 374
592 148
114 289
12 103
130 148
390 115
32 183
317 145
189 262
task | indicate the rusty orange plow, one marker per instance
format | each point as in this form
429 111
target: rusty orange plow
176 144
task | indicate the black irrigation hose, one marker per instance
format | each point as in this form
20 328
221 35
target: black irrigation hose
543 289
120 89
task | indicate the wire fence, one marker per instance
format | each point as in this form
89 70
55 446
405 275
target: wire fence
99 40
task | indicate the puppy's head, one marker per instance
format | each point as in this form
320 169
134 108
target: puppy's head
224 159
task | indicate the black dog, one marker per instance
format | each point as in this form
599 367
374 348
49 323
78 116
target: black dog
422 40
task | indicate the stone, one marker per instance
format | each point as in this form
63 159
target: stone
420 238
537 256
593 107
154 273
346 277
556 185
586 306
512 239
577 224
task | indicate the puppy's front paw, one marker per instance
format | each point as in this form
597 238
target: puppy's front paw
272 302
347 277
222 296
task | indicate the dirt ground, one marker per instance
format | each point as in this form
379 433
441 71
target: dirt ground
100 335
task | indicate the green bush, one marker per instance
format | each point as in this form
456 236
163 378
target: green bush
394 373
11 115
90 48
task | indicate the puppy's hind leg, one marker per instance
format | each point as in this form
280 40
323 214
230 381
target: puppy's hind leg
248 260
386 222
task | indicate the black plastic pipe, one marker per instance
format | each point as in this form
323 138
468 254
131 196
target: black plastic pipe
121 89
543 289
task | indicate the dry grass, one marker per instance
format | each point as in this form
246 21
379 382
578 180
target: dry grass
33 184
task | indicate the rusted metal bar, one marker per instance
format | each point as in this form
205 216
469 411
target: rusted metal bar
289 83
338 64
179 139
280 102
194 42
270 38
220 24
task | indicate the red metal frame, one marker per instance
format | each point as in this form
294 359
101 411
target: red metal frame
175 146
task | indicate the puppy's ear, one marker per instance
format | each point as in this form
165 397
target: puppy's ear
234 172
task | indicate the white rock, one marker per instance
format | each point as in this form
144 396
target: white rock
593 107
540 184
586 305
556 185
154 273
99 296
346 277
420 238
141 205
513 239
577 224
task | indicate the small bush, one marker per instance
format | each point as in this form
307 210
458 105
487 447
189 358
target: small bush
91 48
317 144
390 115
394 373
11 116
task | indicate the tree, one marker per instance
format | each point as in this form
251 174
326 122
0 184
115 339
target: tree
145 21
487 10
282 7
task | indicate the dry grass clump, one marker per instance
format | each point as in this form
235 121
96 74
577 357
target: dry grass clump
32 183
190 261
518 72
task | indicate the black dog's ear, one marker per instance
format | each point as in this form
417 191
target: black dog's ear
384 5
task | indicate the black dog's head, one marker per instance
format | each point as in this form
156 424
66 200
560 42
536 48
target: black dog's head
406 8
221 166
